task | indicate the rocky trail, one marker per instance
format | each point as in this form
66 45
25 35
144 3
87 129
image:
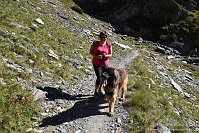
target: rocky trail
71 108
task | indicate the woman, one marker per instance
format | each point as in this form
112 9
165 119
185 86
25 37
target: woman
101 50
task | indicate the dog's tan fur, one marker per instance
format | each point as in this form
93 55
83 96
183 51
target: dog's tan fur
119 83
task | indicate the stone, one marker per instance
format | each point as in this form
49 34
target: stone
39 21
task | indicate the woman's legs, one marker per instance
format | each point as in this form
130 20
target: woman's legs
98 72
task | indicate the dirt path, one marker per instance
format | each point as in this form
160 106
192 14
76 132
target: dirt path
71 108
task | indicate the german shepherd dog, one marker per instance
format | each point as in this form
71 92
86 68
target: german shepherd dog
116 81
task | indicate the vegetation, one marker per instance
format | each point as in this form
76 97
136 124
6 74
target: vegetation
152 102
22 37
26 44
184 30
17 109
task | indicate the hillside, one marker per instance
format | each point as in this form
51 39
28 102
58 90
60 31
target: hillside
47 79
172 22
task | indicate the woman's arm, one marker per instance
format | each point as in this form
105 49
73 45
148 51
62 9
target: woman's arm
110 53
92 50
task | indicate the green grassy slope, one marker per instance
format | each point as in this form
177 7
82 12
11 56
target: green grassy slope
26 44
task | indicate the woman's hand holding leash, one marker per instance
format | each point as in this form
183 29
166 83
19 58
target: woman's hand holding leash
103 55
99 56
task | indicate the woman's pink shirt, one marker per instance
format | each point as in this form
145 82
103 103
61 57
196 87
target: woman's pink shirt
100 49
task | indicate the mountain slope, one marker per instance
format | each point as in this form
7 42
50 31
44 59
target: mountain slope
167 21
44 47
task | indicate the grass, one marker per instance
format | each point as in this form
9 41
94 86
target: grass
152 102
35 43
67 3
27 46
17 108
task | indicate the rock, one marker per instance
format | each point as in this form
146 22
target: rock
78 131
187 95
160 49
140 40
162 129
122 45
39 21
39 94
63 16
119 120
34 26
2 82
170 57
29 130
52 54
176 86
184 62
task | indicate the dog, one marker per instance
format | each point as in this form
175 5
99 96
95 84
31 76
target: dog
114 80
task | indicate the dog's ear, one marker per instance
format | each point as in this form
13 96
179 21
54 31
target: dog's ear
112 70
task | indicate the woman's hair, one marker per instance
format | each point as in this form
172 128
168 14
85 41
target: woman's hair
103 33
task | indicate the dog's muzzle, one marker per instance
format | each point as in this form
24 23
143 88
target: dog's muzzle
105 76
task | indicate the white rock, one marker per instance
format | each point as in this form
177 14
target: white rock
162 129
39 21
34 25
52 54
176 86
187 95
44 114
31 61
184 62
39 94
122 45
119 120
170 57
29 129
78 131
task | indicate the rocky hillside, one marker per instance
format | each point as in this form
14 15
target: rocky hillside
47 79
169 21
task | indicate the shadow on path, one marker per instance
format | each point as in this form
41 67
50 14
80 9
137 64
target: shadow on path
56 93
84 107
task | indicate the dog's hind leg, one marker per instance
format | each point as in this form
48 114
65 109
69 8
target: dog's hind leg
112 105
124 90
123 94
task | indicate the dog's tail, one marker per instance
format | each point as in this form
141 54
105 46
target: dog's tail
122 66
